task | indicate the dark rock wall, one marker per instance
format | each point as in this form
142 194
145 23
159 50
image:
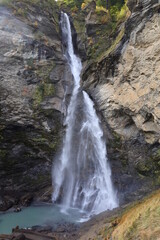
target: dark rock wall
33 80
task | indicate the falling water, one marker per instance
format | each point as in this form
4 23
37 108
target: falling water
82 175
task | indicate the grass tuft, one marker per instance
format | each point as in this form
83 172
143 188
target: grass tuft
141 221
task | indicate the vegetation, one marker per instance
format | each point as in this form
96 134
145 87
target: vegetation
138 221
42 91
112 5
104 3
141 222
104 35
113 46
5 2
116 8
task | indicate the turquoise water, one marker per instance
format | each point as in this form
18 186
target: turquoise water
37 215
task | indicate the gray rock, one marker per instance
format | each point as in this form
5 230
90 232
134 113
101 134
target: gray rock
33 80
124 84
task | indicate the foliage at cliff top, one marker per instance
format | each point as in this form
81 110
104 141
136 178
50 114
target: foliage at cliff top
117 4
115 9
104 30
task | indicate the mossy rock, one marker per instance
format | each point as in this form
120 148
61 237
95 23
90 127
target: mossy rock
117 142
43 72
143 168
42 91
47 145
156 156
5 2
3 154
113 46
157 180
38 180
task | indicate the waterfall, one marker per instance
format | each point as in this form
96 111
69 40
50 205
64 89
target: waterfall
82 175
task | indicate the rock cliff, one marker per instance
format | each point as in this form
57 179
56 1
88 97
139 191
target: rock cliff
128 88
124 83
33 78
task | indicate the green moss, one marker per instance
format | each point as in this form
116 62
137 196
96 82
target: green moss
21 12
117 139
154 162
3 153
156 156
124 12
38 96
54 145
30 63
49 145
38 180
49 89
39 35
101 42
143 168
42 91
44 72
42 178
5 2
47 142
39 140
113 46
124 161
2 126
157 180
79 25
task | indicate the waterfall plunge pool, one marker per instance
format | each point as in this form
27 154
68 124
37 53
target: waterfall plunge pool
39 215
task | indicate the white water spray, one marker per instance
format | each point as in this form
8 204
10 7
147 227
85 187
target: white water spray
82 176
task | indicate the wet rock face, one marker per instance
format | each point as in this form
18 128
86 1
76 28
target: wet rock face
125 86
33 79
